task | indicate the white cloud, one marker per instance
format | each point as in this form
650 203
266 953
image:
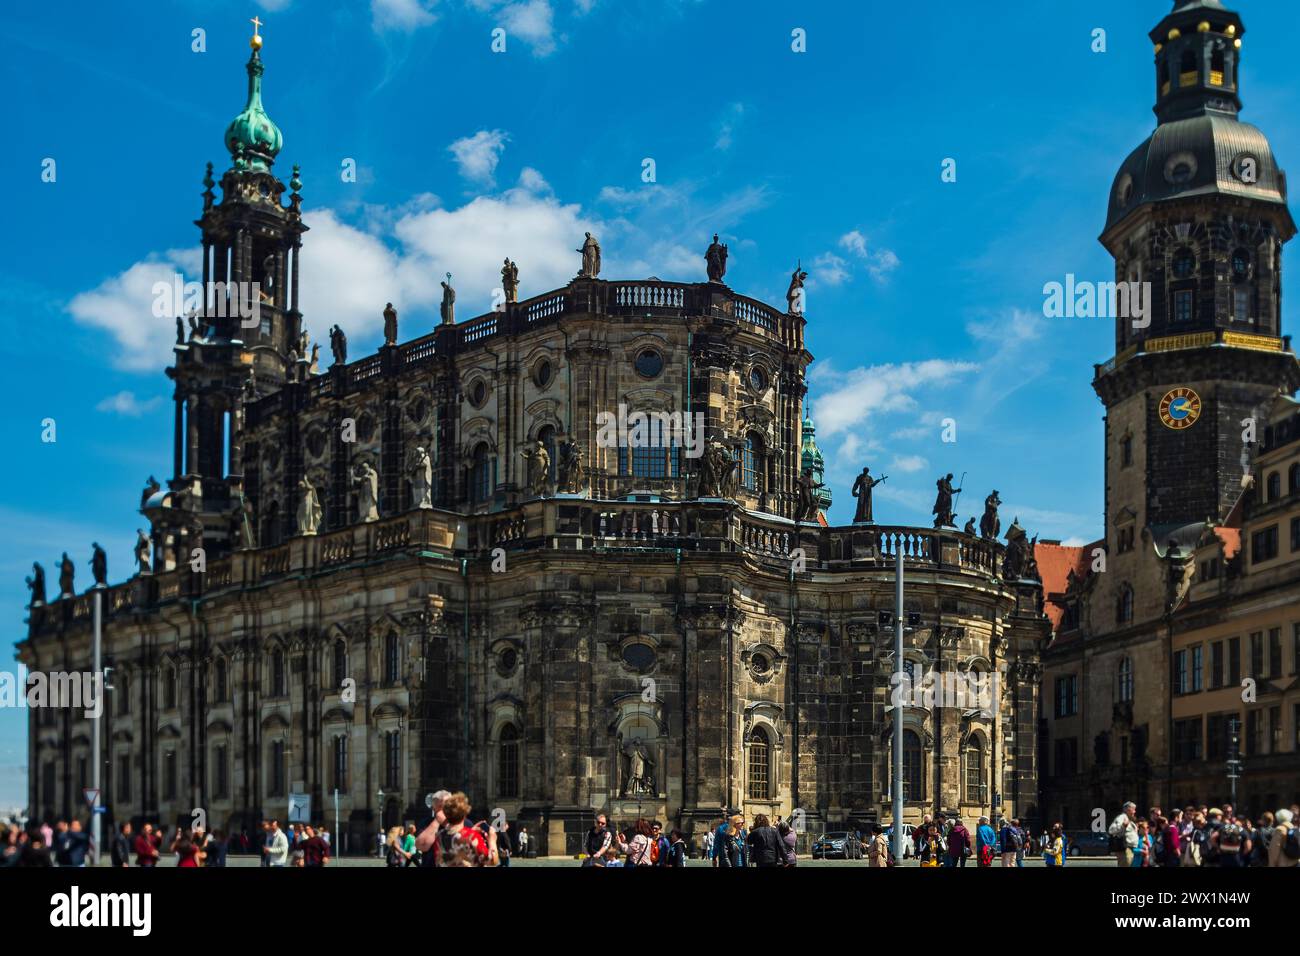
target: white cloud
532 21
401 14
831 269
274 6
846 399
125 403
879 263
123 306
478 155
908 463
727 126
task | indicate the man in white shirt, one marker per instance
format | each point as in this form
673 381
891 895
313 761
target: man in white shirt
277 848
1124 827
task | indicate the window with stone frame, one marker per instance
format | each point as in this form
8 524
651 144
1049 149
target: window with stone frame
1187 740
1125 679
392 759
759 771
752 463
122 690
169 775
1275 652
339 776
277 677
275 769
221 682
221 771
169 687
340 663
480 475
976 785
913 766
508 762
1124 605
392 659
1183 306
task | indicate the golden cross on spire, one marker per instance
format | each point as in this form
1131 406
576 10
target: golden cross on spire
256 40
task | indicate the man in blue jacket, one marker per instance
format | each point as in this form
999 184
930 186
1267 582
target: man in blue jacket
986 841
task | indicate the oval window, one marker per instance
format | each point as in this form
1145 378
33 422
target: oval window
757 379
478 393
639 657
542 374
649 363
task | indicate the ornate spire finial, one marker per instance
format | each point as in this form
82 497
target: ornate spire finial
255 41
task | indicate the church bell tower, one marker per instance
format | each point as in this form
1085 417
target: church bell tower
1198 212
239 343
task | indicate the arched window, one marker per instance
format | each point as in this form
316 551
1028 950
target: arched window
392 659
1126 679
751 463
1274 486
340 663
975 770
1124 605
221 688
169 688
508 762
1187 69
1216 67
480 477
759 765
277 673
913 778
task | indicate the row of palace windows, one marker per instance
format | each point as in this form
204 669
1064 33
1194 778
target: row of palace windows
1266 661
1218 736
276 675
1066 689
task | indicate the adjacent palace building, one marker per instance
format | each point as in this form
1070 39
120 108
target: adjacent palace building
430 567
557 624
1182 655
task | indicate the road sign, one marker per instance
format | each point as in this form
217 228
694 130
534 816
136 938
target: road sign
99 809
92 796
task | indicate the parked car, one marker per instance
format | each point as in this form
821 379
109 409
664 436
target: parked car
1087 843
845 846
909 845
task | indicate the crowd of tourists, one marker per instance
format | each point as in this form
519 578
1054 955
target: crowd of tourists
68 844
1205 836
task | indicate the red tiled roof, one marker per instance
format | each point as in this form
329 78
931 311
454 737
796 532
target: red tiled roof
1231 538
1055 562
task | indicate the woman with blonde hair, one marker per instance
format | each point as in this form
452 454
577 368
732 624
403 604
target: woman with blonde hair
1284 824
394 855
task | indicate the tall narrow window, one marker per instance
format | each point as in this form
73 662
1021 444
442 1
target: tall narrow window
122 689
1126 679
508 762
392 659
974 771
340 664
1183 306
169 688
480 480
222 690
275 769
913 778
759 776
339 781
751 462
277 673
392 759
221 771
169 775
123 781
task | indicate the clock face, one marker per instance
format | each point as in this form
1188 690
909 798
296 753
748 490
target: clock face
1180 408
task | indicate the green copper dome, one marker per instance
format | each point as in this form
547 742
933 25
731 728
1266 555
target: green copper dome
252 138
810 456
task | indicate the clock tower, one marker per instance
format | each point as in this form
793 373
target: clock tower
1198 211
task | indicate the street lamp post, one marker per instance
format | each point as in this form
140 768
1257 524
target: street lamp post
898 710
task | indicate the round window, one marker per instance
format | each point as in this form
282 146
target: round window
761 664
478 393
506 661
649 363
757 379
542 374
639 657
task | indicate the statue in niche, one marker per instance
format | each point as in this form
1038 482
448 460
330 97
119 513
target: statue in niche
539 468
716 467
309 509
420 471
366 480
638 770
573 475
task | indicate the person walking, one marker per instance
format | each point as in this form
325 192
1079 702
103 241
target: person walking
878 851
522 840
1284 847
120 851
277 848
676 849
789 842
1124 835
986 842
1012 840
217 846
598 840
146 851
1054 850
381 843
1263 840
726 843
766 848
708 846
639 847
659 845
958 845
933 847
394 856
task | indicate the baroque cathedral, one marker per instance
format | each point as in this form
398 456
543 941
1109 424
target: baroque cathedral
427 568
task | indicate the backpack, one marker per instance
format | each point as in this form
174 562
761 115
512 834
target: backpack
1191 851
654 852
986 855
1291 846
1016 838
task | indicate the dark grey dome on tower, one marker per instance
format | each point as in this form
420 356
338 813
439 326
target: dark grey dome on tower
1200 146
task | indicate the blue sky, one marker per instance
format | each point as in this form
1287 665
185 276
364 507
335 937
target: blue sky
924 299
